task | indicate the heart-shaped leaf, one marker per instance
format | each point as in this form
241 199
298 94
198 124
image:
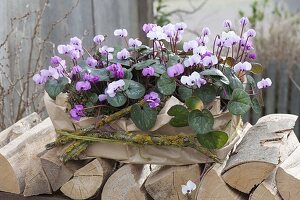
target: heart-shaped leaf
159 68
215 74
118 100
255 105
134 89
144 118
56 86
143 64
166 85
251 82
257 68
234 82
240 102
194 103
201 121
213 139
206 93
184 92
180 114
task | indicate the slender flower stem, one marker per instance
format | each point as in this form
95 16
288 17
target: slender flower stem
217 37
245 46
87 51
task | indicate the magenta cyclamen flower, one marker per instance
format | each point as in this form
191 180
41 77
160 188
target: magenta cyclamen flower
90 61
75 70
175 70
148 71
123 54
116 70
83 85
91 78
55 60
77 112
121 32
134 42
190 45
250 33
152 99
98 39
114 87
264 83
241 67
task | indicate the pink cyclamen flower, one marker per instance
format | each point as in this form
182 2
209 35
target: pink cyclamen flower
194 79
244 21
116 70
134 42
241 67
114 87
90 61
75 70
39 79
54 72
152 99
148 27
202 40
169 30
209 61
180 26
205 31
91 78
83 85
252 56
229 39
175 70
264 83
102 97
98 39
121 32
55 60
190 45
75 41
148 71
192 60
75 54
250 33
77 112
105 50
64 49
156 34
227 24
123 54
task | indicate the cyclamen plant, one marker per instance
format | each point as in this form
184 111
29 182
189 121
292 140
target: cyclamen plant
102 82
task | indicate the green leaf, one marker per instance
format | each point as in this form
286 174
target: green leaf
255 105
143 64
122 62
159 68
207 93
173 59
257 68
234 82
93 98
184 92
180 114
102 73
144 118
127 74
56 86
201 121
166 85
213 139
118 100
240 102
134 89
194 103
251 82
215 74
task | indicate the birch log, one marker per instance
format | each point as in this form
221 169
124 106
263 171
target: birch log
19 128
212 186
16 156
127 183
265 145
88 180
166 182
288 177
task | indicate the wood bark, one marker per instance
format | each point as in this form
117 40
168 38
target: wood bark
267 190
19 128
16 156
59 173
88 180
212 186
265 145
288 176
166 182
127 183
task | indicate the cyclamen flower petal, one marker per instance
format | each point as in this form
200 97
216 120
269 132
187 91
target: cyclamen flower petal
239 67
91 78
152 99
75 41
156 34
121 32
200 50
54 73
148 71
227 24
45 73
83 85
64 49
180 26
190 45
250 33
75 54
205 31
90 61
169 30
229 39
192 60
123 54
117 70
264 83
105 50
134 42
38 79
77 112
193 80
98 39
202 40
252 56
175 70
210 60
188 188
55 60
102 97
75 70
244 21
114 87
148 27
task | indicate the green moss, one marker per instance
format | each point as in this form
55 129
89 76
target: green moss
142 139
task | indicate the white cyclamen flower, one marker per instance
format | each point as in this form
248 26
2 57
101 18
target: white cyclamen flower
188 188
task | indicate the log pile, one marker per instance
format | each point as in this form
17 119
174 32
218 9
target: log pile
264 165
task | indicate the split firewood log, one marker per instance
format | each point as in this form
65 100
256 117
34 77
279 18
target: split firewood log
57 172
267 190
88 180
212 186
19 128
266 144
165 183
127 183
16 156
288 177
